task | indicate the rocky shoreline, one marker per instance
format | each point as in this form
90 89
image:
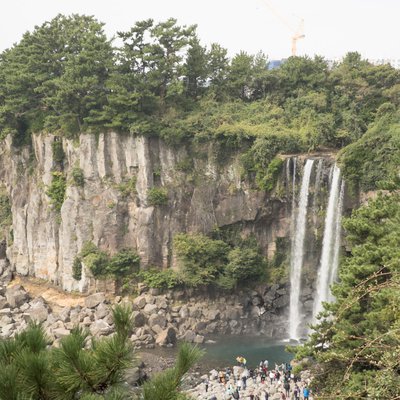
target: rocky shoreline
159 319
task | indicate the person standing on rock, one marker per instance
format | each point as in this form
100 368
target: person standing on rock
287 387
296 392
206 383
244 380
239 385
306 392
266 395
271 376
236 395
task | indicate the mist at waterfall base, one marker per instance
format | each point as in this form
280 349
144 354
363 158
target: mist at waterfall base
224 351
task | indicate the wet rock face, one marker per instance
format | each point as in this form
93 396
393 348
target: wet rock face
112 208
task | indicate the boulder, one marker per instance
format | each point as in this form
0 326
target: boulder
156 329
94 300
100 327
212 314
200 326
38 312
102 310
16 296
64 315
199 339
167 336
60 332
150 308
156 319
138 319
140 302
232 313
189 336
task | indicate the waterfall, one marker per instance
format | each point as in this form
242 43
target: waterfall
317 186
338 235
331 243
296 262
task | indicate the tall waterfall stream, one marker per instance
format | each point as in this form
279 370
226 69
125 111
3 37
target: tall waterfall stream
327 266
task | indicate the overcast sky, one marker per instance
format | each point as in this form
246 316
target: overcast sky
332 27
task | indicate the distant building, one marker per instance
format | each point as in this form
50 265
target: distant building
273 64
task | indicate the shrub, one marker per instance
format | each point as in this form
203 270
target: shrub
78 178
245 264
5 211
157 196
56 190
58 151
97 263
160 279
95 259
128 187
77 268
101 264
267 180
202 259
123 262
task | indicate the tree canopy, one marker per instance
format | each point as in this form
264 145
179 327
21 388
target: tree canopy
66 77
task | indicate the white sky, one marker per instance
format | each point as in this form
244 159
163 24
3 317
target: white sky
332 27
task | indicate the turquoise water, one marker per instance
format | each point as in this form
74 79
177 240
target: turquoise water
223 353
254 349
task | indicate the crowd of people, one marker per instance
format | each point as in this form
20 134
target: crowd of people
260 383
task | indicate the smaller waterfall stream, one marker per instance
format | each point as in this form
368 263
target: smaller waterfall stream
331 243
296 262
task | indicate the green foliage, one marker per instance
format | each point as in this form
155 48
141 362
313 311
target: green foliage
5 212
202 258
166 385
56 190
77 268
245 264
128 187
65 76
122 263
268 180
160 279
78 178
82 369
205 261
58 151
157 196
74 370
357 347
373 161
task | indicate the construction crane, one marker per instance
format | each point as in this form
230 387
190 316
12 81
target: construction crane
297 33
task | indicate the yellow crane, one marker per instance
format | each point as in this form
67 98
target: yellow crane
296 33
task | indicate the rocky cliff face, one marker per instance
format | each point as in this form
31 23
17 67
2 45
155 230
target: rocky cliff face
112 208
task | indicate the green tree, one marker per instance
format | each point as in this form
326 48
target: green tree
166 385
196 70
357 343
32 371
202 259
55 76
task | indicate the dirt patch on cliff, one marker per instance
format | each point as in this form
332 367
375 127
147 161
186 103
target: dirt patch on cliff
54 296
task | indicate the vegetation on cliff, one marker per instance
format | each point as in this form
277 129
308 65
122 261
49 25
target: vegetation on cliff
66 76
357 342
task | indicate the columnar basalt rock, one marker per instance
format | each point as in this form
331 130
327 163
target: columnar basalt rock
112 207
